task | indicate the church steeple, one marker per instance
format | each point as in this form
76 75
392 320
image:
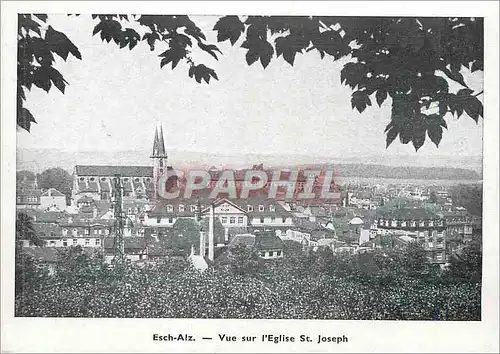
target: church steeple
159 157
159 145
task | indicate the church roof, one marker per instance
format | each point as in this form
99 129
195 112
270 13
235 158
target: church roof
106 170
52 192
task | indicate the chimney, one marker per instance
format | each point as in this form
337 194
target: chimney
211 234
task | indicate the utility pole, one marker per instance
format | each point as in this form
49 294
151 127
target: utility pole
119 220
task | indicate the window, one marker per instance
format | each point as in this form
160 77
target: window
262 254
261 220
249 208
129 211
75 231
224 220
95 232
261 208
278 253
86 231
103 179
181 208
240 219
430 245
64 232
52 233
91 179
148 179
193 208
170 208
87 242
273 219
271 253
82 179
232 220
137 180
100 231
107 232
52 243
271 208
158 220
75 241
125 179
283 219
170 220
65 243
97 241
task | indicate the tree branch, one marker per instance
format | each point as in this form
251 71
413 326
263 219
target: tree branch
480 93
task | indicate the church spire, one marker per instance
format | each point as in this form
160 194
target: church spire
162 143
156 143
159 144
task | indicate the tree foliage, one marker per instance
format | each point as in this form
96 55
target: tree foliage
36 46
57 178
303 286
26 231
470 197
407 60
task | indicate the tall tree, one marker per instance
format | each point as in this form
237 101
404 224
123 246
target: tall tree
25 175
26 231
57 178
408 60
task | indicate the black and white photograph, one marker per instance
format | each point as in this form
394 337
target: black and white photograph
250 167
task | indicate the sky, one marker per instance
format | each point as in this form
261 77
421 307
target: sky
116 98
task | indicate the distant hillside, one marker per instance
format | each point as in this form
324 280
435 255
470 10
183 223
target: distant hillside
404 172
399 167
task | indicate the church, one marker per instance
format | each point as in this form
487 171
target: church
95 181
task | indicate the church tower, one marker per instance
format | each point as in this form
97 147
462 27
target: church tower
159 157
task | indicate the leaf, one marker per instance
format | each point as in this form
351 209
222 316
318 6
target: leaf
360 100
381 95
392 133
464 92
229 27
172 55
474 108
42 80
455 76
442 122
25 118
266 53
210 49
42 17
435 133
25 21
353 73
151 37
477 65
251 57
60 44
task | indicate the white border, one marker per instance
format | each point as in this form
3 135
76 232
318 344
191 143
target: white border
109 335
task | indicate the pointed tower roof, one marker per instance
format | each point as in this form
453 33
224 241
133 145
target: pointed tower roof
156 144
159 144
162 143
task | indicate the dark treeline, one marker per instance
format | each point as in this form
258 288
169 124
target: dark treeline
399 285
